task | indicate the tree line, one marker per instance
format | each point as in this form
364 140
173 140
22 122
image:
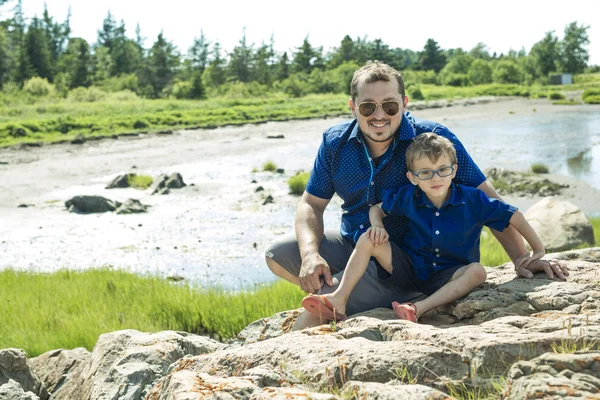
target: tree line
43 48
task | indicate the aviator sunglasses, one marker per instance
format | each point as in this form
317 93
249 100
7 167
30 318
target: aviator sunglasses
368 108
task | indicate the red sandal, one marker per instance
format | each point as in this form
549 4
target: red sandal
407 311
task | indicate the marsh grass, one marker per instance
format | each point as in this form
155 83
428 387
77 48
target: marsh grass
297 183
142 182
69 309
539 168
269 166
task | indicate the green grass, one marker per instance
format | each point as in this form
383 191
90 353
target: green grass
539 168
68 309
53 120
493 254
269 166
565 102
142 182
297 183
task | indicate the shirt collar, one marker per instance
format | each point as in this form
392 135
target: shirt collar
406 131
456 197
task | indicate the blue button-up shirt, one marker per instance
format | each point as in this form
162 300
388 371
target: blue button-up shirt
449 236
343 166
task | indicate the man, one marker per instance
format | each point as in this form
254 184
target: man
358 160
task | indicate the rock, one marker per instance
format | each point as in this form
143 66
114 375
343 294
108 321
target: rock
14 367
120 181
526 184
54 367
556 376
164 183
268 200
394 391
275 137
132 206
560 224
13 391
280 170
259 189
124 364
91 204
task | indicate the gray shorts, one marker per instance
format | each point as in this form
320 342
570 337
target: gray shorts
370 292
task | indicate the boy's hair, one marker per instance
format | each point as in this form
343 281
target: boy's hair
431 145
374 71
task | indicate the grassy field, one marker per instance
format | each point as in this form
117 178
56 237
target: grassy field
68 309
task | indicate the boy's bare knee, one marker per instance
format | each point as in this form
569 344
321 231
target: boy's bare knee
364 242
478 272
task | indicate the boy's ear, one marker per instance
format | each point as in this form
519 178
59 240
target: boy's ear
412 178
455 170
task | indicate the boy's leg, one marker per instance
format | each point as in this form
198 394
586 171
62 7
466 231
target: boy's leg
462 282
354 271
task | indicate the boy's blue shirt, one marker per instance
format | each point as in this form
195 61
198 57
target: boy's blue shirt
343 166
449 236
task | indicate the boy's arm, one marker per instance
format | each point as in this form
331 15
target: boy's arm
519 222
377 233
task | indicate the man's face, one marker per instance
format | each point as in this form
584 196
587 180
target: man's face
379 126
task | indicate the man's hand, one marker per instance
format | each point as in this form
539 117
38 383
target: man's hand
377 235
310 273
552 268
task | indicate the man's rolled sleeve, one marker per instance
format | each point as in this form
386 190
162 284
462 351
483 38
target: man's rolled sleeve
320 183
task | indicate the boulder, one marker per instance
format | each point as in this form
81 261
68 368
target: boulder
54 367
164 183
560 224
16 376
91 204
132 206
120 181
556 376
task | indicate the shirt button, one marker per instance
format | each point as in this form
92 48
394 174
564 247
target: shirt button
437 214
437 232
362 226
434 264
370 204
438 250
372 183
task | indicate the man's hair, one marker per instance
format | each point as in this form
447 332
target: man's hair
374 71
431 145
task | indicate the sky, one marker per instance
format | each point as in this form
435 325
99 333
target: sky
501 25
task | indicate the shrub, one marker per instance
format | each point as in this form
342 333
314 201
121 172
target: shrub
592 100
556 96
539 168
139 181
452 79
88 95
415 93
181 90
297 183
590 92
269 166
14 130
124 95
38 87
141 124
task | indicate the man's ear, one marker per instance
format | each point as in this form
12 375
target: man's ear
412 178
405 102
352 107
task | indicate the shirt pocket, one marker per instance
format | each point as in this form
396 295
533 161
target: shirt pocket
456 232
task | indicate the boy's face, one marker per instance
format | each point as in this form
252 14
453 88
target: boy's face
437 187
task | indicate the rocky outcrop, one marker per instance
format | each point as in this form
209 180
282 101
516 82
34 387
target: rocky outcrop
517 331
560 224
15 369
524 184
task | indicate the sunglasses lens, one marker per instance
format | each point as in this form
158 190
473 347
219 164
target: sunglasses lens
391 108
367 109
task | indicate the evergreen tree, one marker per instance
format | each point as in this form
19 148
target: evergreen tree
198 53
306 58
77 62
432 57
263 67
163 60
197 90
344 53
215 73
241 65
283 67
480 51
38 50
57 35
125 54
106 36
5 58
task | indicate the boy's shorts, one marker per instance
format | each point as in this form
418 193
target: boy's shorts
403 274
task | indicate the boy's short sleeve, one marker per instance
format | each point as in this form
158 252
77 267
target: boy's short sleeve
491 212
320 183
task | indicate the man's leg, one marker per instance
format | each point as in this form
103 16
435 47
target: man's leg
464 280
354 271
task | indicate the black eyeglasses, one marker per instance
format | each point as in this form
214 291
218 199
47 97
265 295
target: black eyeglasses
427 174
368 108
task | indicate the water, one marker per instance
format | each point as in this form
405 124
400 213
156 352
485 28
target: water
568 143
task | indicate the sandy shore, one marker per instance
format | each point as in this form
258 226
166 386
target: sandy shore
211 232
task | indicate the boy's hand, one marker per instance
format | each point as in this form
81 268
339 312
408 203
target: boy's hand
378 235
524 260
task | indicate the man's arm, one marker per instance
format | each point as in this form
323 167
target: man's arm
309 232
512 242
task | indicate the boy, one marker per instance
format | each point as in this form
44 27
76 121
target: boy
440 253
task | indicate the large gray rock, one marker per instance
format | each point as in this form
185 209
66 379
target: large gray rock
164 183
14 367
91 204
560 224
120 181
556 376
125 364
54 367
13 391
